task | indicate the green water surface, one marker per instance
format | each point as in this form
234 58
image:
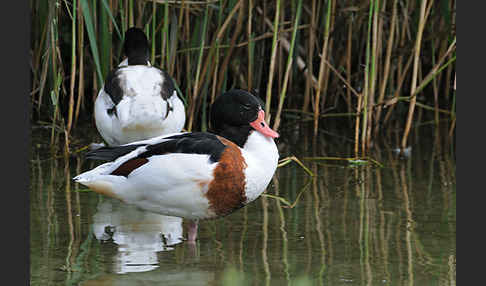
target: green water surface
351 224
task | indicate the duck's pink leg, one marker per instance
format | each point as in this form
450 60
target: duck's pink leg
192 231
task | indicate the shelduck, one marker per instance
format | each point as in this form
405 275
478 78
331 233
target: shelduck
197 175
138 101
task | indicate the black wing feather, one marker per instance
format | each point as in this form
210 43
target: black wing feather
113 86
188 143
167 86
110 153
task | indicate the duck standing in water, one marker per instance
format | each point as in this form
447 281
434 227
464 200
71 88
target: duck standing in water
138 101
198 175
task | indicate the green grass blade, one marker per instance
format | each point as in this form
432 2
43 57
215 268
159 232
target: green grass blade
92 38
172 43
166 33
105 42
107 9
154 14
288 67
272 62
201 46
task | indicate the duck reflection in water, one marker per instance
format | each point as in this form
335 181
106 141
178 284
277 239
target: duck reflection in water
139 235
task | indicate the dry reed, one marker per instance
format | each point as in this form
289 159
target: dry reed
211 46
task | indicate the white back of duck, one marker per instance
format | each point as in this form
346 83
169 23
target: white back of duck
138 101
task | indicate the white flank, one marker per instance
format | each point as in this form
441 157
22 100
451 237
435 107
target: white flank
172 184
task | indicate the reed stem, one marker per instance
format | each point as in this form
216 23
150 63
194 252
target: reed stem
273 57
73 67
321 67
198 69
417 50
289 65
354 62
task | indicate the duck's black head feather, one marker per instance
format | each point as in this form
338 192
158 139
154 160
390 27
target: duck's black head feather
136 47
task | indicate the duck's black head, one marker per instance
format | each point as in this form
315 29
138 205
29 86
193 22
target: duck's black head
136 46
236 113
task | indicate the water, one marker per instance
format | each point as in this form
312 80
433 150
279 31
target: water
349 225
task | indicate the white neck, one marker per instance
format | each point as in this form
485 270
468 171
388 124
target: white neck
261 156
125 63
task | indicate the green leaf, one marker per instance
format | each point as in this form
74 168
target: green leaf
92 37
107 8
85 190
53 98
55 91
358 162
104 40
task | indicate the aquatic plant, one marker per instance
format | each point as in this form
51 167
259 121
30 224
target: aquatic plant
368 64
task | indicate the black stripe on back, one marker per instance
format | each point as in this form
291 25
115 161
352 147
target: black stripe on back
110 153
167 87
188 143
112 87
